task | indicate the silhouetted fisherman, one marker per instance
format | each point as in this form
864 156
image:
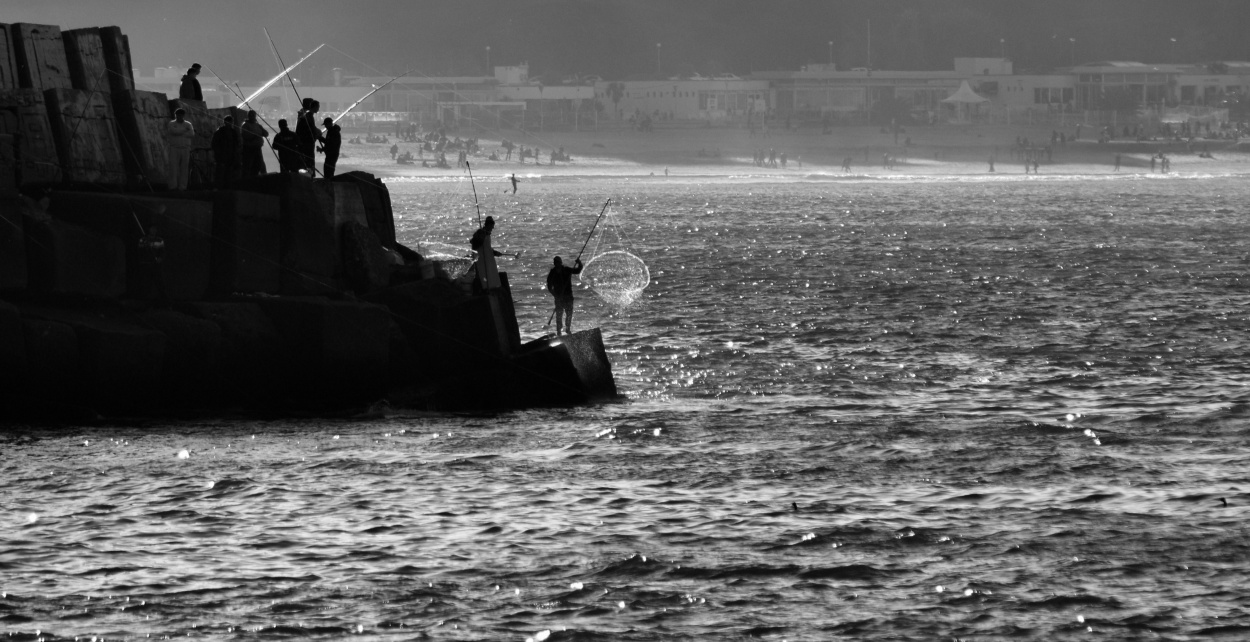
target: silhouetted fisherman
253 145
287 145
330 145
560 285
190 87
307 133
225 152
487 270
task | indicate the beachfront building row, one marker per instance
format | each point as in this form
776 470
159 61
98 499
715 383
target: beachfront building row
815 93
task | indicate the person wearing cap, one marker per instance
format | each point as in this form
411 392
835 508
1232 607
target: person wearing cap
179 133
487 269
253 144
190 87
331 141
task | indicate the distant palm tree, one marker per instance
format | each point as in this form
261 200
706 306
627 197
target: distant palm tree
616 91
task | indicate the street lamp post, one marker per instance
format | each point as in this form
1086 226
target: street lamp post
1072 52
1173 50
1002 48
489 72
657 59
831 53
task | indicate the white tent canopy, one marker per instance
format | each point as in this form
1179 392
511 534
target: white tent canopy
965 95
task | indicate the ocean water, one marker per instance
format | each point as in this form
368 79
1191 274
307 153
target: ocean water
909 409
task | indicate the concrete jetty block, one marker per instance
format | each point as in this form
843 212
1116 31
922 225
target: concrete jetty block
36 162
310 246
376 200
422 311
120 364
250 362
8 60
190 375
40 53
121 75
13 209
52 374
142 117
590 358
185 225
348 206
66 260
86 136
247 243
366 264
84 54
332 349
12 347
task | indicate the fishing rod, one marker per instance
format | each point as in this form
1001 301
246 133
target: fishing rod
475 203
579 252
315 132
285 72
375 90
238 93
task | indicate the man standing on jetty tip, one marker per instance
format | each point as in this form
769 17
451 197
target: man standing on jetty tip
225 152
487 270
190 87
179 133
560 285
330 145
253 144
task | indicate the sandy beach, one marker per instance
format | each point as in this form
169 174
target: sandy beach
941 150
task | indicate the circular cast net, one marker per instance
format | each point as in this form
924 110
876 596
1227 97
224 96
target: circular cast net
617 277
452 260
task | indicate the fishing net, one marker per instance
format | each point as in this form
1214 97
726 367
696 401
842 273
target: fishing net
615 274
617 277
453 260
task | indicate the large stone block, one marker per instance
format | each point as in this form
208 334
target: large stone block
591 361
120 364
117 59
251 358
348 206
13 241
185 225
333 349
86 136
8 60
190 376
24 118
52 373
66 260
84 53
142 117
422 311
40 53
376 200
366 265
310 248
247 243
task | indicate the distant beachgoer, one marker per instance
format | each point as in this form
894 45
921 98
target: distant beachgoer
846 165
179 133
225 152
190 87
1152 162
1117 162
514 180
991 163
287 145
1035 164
252 159
560 285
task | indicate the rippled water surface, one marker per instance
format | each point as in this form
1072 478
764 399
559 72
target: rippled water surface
1002 409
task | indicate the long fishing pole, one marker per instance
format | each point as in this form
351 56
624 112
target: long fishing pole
375 90
311 160
475 203
238 93
579 252
275 79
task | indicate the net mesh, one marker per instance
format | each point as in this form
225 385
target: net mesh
617 277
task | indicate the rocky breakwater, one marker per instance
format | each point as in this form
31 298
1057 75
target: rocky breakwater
285 293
